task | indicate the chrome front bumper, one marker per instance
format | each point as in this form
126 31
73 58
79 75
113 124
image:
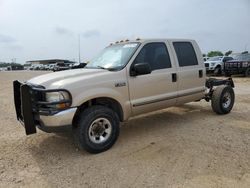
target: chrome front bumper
62 118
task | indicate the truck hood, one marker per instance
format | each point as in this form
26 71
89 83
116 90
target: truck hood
57 79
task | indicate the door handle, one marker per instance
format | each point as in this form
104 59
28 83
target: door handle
200 73
174 77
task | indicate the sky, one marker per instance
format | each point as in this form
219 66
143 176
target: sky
44 29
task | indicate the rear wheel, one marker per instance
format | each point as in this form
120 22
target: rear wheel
222 99
247 73
97 129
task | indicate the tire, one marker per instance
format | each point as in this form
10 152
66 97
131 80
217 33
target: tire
223 99
97 129
217 71
247 73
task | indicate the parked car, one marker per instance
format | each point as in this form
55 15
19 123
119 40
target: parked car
36 67
46 67
42 67
61 66
26 67
31 67
216 64
240 65
78 65
51 66
127 79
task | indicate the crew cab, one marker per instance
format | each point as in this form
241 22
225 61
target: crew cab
216 64
126 79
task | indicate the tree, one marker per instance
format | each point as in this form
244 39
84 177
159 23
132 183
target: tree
214 53
228 53
3 64
245 52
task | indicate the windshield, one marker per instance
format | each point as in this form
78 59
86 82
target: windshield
217 58
114 57
243 57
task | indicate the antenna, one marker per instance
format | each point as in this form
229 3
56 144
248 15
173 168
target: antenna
79 48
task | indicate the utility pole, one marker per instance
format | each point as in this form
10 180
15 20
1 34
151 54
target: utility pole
246 47
13 60
79 47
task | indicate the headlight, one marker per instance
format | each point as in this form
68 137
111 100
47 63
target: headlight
61 98
212 64
56 96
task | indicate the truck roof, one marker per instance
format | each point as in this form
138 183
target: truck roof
151 40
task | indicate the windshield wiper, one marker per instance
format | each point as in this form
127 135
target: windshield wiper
109 69
102 67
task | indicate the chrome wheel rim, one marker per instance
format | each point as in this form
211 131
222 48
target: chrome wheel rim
226 100
100 130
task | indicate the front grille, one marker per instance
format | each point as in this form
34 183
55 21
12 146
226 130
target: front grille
206 64
23 104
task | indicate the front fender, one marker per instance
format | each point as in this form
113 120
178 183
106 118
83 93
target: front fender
121 98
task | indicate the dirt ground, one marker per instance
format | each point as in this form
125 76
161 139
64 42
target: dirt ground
186 146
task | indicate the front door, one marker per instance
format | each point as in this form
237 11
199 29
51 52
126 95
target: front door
158 89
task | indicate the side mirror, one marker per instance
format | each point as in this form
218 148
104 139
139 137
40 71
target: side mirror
140 69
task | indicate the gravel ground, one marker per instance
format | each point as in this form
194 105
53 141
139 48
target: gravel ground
186 146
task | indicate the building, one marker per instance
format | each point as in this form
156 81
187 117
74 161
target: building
49 61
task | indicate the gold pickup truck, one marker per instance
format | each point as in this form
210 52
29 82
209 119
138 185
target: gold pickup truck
126 79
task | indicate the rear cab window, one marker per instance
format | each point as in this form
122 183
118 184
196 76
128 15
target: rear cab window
227 59
185 54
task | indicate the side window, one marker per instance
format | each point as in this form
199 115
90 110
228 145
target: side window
228 59
185 54
155 54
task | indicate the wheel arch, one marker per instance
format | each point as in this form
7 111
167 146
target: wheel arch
102 101
219 65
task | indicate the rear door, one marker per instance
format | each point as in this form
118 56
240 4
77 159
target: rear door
158 89
190 71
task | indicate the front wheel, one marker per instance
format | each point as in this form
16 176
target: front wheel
217 71
97 129
222 99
